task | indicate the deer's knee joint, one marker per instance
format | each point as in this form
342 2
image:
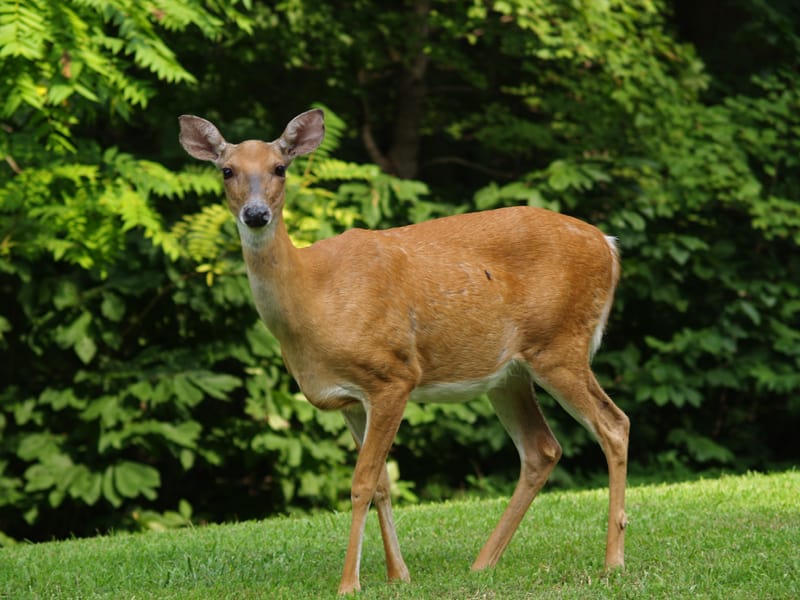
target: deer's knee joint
381 495
358 497
538 464
549 449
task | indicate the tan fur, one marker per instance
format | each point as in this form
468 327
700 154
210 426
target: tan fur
493 301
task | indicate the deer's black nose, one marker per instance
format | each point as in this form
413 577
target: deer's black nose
256 215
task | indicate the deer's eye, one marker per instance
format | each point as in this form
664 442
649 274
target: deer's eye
227 172
280 170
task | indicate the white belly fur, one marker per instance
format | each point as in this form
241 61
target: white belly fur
461 391
449 392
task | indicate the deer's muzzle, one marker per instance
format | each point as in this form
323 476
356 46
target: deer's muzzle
255 215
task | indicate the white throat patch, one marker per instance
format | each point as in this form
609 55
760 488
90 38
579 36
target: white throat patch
255 239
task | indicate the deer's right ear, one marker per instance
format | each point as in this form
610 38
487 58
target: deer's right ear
201 138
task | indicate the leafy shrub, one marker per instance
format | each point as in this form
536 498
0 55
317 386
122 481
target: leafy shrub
140 390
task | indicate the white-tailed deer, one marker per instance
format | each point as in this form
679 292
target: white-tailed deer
445 310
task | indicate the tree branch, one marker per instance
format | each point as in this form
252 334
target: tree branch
457 160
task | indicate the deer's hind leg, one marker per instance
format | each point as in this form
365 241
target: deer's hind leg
518 410
571 382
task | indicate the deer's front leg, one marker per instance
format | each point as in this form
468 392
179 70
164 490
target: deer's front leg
356 419
383 417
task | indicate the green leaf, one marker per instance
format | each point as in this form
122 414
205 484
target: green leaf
108 409
108 489
25 411
187 458
187 393
70 335
37 446
679 255
86 485
61 399
39 477
701 448
113 307
134 479
563 175
185 509
634 219
216 385
751 311
86 349
5 327
487 197
66 295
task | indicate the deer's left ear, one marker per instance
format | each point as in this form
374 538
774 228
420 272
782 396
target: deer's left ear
303 134
201 138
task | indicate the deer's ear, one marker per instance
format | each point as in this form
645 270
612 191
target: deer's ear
303 134
201 138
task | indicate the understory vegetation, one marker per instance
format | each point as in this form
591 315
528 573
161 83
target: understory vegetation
140 391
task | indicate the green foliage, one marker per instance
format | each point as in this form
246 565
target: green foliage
149 366
140 390
63 61
704 206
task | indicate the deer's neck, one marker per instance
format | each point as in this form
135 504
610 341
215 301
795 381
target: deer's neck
275 270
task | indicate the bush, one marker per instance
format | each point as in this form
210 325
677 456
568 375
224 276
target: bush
140 390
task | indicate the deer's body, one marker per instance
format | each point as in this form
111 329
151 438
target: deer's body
444 310
416 277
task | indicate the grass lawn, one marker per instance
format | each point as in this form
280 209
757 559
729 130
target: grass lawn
727 538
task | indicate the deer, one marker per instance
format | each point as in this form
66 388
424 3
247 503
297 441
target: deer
500 302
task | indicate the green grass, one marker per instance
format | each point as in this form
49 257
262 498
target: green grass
733 537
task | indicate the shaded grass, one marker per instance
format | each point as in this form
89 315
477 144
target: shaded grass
732 537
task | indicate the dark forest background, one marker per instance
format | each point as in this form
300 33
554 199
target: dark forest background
139 390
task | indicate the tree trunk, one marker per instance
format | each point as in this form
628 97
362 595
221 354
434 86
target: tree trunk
402 158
